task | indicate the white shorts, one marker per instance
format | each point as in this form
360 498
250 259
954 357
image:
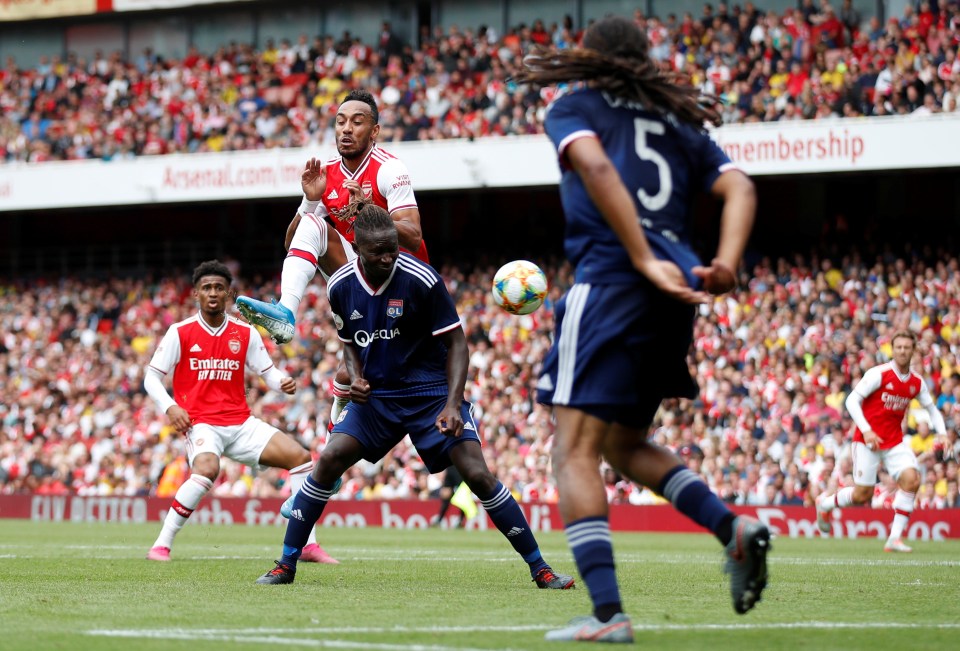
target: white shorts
243 443
347 249
866 462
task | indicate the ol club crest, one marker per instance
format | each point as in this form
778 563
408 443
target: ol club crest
394 308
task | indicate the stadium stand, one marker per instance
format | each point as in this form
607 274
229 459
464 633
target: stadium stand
774 361
812 63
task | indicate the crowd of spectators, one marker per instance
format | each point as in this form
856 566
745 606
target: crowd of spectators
774 361
818 61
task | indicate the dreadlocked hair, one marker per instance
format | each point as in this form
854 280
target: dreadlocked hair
372 219
351 211
614 59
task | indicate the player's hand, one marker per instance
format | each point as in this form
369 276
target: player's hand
449 421
359 391
313 180
667 277
353 187
871 440
179 418
718 278
288 385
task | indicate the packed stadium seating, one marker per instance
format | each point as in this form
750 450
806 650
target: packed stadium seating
818 62
774 361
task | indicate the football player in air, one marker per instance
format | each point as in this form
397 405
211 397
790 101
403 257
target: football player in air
333 192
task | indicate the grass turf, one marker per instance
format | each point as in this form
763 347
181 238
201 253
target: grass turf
87 586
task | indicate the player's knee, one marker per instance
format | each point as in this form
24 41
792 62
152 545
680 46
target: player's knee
862 494
343 377
333 462
301 457
479 478
910 482
206 465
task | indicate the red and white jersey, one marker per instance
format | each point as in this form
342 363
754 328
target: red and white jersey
383 178
886 395
208 367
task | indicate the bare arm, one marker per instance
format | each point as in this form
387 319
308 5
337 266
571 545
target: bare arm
613 200
408 228
450 421
736 222
359 387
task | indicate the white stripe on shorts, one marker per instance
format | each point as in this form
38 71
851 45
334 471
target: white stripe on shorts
567 346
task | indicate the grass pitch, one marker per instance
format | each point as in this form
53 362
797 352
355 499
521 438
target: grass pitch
81 586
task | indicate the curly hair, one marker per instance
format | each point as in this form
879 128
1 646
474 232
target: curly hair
361 95
212 268
615 58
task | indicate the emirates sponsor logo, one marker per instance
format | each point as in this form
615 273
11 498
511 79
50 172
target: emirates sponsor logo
894 402
214 364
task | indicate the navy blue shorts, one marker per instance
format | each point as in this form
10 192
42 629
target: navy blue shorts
618 351
381 423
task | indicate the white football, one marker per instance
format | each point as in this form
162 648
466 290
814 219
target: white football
519 287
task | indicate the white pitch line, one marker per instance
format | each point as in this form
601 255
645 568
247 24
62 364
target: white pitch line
273 639
245 634
890 562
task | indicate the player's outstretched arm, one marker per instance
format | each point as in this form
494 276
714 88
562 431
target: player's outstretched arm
613 200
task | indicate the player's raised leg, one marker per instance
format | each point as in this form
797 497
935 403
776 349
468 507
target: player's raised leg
311 244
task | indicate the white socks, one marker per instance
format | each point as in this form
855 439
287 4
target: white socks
902 507
184 503
296 275
843 497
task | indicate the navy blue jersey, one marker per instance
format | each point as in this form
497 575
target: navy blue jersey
395 327
663 163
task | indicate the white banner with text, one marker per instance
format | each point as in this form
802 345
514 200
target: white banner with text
834 146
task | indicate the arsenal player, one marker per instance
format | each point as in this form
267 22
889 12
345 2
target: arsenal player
877 405
333 193
206 355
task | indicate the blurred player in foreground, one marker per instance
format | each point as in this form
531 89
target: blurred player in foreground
406 354
634 154
207 354
877 405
